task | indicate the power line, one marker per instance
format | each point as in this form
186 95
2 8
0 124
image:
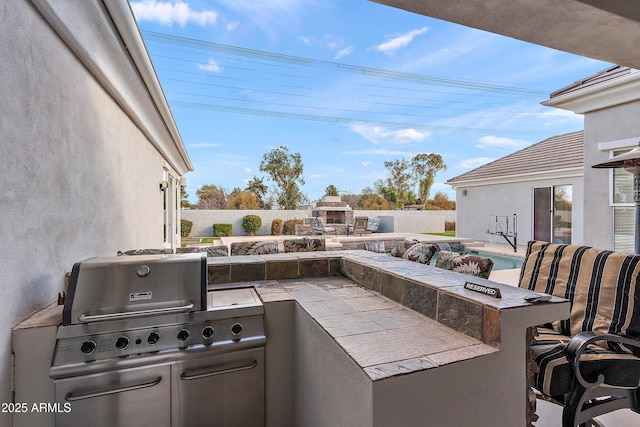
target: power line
346 68
334 119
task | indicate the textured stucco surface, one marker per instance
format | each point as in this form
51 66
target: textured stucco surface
79 179
474 208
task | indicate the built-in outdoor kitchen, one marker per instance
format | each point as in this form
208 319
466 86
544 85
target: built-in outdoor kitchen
353 338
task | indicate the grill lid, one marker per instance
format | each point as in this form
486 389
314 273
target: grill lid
123 287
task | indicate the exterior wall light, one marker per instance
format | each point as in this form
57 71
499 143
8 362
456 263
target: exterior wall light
630 161
164 185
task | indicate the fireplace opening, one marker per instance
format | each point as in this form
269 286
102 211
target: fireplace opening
335 217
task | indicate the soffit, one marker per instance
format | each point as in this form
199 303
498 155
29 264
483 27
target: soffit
604 30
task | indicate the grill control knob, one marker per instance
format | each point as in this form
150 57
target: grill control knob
236 328
183 335
122 343
207 332
153 338
88 347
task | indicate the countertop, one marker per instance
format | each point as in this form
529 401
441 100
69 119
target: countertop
383 337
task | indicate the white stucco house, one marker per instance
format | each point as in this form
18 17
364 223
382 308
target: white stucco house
86 140
541 185
551 186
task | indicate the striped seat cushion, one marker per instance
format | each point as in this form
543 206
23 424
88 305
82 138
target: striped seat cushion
556 374
602 286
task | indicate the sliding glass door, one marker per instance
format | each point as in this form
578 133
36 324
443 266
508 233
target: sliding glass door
552 210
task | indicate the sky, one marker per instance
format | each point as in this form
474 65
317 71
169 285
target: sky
348 84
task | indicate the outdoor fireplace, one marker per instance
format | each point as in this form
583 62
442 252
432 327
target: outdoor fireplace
334 211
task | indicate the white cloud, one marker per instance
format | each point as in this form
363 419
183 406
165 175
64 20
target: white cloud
389 47
366 163
379 134
502 142
474 163
170 12
343 52
247 170
305 40
232 25
211 65
315 176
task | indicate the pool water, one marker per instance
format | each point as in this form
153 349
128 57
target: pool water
500 262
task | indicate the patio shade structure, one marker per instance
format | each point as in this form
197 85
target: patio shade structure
630 161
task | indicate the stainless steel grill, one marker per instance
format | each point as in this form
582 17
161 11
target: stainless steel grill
142 342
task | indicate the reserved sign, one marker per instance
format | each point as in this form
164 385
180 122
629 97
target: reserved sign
487 290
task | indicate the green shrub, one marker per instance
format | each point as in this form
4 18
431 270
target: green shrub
251 224
222 230
185 227
276 227
290 226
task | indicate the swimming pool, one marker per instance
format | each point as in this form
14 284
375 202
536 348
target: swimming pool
500 262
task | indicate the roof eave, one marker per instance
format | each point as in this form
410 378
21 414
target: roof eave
574 172
610 92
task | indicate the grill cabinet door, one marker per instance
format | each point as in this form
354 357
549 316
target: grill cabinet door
225 390
137 397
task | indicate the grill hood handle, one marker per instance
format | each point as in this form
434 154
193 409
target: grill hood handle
90 318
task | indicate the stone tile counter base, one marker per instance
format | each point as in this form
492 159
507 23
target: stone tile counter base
375 340
358 338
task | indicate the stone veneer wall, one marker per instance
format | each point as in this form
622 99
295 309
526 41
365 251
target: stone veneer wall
431 294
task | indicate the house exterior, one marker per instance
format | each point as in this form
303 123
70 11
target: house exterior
541 185
541 182
87 139
610 103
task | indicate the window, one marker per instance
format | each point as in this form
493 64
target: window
623 209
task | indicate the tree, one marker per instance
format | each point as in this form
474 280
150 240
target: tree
258 187
441 201
211 197
285 170
243 200
399 180
331 190
425 167
184 198
382 189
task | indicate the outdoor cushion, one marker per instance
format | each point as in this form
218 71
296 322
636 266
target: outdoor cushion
401 247
304 245
254 248
373 224
465 263
556 373
602 286
420 252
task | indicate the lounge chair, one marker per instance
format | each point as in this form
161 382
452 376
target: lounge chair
373 224
359 226
318 226
590 362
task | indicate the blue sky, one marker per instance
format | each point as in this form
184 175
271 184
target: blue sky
348 84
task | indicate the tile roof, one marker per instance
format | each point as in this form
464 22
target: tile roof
552 154
600 77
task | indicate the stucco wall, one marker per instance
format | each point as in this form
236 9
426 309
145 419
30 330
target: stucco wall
474 208
79 178
393 221
601 126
